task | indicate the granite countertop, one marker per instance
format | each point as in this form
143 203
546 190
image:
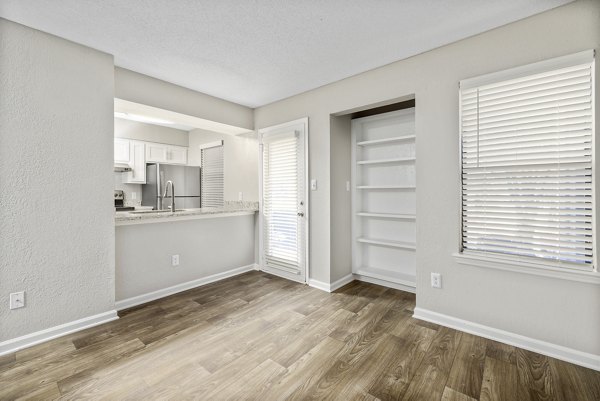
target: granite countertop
229 209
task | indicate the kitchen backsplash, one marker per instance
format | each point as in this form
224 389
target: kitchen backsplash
240 204
129 190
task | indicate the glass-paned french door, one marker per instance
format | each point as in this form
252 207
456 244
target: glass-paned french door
283 200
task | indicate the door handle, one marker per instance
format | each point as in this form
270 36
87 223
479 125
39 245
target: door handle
300 214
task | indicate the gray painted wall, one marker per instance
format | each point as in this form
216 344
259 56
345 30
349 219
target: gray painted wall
552 310
240 164
341 200
149 132
139 88
205 247
56 151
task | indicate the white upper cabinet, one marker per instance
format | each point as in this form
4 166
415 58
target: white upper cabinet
161 153
177 155
156 152
137 153
137 162
121 150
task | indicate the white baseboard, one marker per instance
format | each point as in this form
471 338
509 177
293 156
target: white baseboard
385 283
41 336
333 286
320 285
542 347
164 292
351 277
341 282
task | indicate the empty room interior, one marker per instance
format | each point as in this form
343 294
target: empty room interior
311 200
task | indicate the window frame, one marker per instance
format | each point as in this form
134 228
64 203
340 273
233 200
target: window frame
532 264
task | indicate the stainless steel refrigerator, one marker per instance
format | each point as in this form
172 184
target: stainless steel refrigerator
186 180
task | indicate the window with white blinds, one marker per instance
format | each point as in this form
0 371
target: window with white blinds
212 176
283 234
527 162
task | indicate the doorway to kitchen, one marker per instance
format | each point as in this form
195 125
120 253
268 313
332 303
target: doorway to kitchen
283 200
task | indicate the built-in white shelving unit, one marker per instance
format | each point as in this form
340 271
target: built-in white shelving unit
386 187
388 215
386 161
384 198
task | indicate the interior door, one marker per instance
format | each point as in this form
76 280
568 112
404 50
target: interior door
283 193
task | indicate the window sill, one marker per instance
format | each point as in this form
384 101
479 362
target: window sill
518 266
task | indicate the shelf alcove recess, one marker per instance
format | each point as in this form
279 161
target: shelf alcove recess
384 198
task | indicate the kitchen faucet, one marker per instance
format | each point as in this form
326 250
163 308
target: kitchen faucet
172 194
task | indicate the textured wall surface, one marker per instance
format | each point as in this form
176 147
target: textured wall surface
240 164
553 310
56 212
204 246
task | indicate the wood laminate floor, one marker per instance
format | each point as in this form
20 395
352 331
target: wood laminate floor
259 337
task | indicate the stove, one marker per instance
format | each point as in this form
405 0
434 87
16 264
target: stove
120 202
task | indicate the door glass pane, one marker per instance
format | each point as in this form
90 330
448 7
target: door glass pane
280 201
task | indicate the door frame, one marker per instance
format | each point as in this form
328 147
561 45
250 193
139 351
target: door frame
304 122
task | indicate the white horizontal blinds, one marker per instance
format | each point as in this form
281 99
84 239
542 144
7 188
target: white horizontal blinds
282 187
527 165
212 180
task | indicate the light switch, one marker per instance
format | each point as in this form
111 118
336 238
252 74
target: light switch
313 185
348 186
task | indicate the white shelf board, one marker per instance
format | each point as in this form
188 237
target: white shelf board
387 275
388 215
386 187
387 161
388 243
387 140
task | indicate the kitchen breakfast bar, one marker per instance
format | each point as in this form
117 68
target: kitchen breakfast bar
162 253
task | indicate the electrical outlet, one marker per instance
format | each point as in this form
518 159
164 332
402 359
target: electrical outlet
17 300
240 196
313 185
436 280
133 195
174 260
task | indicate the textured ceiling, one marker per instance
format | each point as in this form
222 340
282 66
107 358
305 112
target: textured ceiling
257 52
